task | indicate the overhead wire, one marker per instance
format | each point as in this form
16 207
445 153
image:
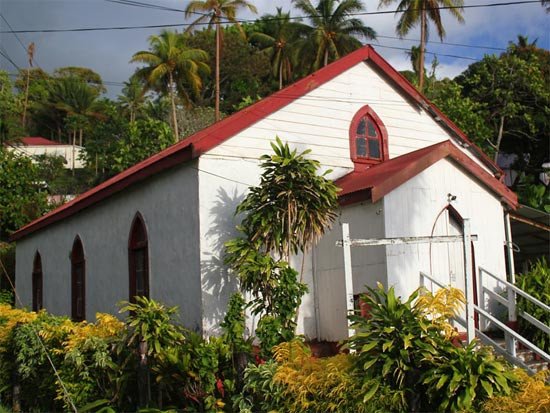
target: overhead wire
156 26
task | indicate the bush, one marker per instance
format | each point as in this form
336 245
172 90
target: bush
407 345
532 395
536 282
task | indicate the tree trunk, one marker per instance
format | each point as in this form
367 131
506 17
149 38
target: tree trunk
25 103
422 47
74 143
218 46
280 75
499 137
173 101
80 137
326 57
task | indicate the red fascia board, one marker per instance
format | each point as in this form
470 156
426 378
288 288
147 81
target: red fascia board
137 173
212 136
383 178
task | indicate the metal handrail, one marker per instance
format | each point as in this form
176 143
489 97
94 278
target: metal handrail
422 274
518 290
517 336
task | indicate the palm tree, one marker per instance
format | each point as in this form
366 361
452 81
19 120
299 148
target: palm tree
419 11
77 101
277 37
173 68
133 98
333 32
213 11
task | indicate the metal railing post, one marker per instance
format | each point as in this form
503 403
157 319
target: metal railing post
470 323
510 293
346 243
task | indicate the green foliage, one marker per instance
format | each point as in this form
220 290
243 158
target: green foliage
260 393
21 195
333 31
293 206
233 324
10 111
532 192
466 113
412 355
458 377
536 282
244 71
152 323
286 213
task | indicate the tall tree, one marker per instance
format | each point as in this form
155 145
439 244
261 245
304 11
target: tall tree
132 99
277 37
414 12
333 31
213 11
172 67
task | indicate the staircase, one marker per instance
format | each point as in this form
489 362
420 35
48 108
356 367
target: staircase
507 342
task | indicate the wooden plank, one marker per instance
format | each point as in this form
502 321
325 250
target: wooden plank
405 240
348 275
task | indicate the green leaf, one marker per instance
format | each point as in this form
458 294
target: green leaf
372 391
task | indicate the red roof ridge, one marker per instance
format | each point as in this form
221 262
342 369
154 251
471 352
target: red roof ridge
38 141
208 138
378 180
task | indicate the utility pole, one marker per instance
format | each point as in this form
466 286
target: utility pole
30 54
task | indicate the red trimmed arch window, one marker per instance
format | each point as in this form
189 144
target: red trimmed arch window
368 138
78 281
138 259
37 303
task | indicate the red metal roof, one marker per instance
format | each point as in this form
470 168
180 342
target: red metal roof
377 181
38 141
208 138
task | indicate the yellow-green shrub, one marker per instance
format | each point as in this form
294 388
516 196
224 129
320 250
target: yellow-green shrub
532 396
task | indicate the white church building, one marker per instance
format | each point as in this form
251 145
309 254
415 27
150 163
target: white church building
158 229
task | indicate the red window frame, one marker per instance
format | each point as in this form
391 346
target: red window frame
37 292
367 114
78 281
138 259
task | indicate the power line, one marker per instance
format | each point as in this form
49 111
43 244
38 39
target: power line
158 26
432 53
501 49
154 7
5 55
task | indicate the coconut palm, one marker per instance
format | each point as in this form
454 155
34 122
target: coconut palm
212 12
415 12
173 68
132 99
333 32
278 36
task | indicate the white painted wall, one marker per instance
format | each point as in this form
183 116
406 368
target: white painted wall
70 153
411 210
169 205
368 266
320 121
224 183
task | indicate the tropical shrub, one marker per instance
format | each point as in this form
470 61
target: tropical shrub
286 214
407 344
536 282
532 395
260 393
461 376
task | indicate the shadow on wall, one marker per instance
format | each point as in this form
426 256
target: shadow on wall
217 283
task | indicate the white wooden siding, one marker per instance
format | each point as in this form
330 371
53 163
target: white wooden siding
368 264
411 210
320 121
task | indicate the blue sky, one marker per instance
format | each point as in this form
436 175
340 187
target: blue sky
108 52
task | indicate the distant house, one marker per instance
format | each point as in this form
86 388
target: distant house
158 229
35 146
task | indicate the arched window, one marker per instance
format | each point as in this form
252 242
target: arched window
138 259
78 281
368 138
37 303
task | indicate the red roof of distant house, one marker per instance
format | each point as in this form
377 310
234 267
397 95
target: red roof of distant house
208 138
37 141
377 181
